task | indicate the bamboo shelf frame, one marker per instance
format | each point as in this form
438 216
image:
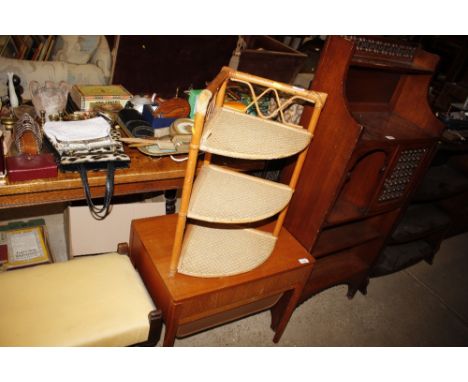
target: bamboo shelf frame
209 107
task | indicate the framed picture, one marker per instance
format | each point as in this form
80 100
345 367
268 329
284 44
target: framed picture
24 247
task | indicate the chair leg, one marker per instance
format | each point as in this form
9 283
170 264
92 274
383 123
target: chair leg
122 249
154 335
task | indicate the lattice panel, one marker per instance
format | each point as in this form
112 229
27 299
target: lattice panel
388 49
402 174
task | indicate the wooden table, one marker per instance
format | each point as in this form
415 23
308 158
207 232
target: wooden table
145 174
192 304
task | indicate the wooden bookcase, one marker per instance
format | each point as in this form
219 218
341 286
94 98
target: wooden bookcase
373 143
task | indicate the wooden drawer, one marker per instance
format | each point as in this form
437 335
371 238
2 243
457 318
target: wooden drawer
208 304
227 315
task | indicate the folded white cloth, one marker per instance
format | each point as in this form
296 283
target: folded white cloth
69 131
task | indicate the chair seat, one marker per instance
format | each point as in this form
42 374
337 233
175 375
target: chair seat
92 301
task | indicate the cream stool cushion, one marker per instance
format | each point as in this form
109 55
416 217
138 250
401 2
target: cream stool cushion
91 301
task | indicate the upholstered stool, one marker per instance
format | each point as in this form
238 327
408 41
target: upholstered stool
92 301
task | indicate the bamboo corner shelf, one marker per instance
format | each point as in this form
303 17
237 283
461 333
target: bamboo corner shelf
230 201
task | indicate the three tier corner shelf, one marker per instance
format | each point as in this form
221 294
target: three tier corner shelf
216 233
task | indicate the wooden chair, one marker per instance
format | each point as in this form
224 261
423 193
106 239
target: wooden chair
221 203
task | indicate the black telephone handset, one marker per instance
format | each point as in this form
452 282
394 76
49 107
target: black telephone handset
134 123
129 114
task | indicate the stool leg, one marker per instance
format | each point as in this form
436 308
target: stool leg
279 308
288 311
169 336
172 323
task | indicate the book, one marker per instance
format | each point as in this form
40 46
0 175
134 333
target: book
37 51
26 43
3 42
7 47
45 47
23 245
48 47
88 96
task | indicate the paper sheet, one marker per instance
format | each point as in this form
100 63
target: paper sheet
88 129
24 245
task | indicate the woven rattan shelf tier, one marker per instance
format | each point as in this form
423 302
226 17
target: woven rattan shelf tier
226 196
234 134
218 252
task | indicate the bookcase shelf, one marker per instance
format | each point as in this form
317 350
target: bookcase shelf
332 270
345 236
390 65
344 211
388 126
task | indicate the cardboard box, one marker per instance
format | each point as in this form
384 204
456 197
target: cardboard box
156 123
86 236
87 96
